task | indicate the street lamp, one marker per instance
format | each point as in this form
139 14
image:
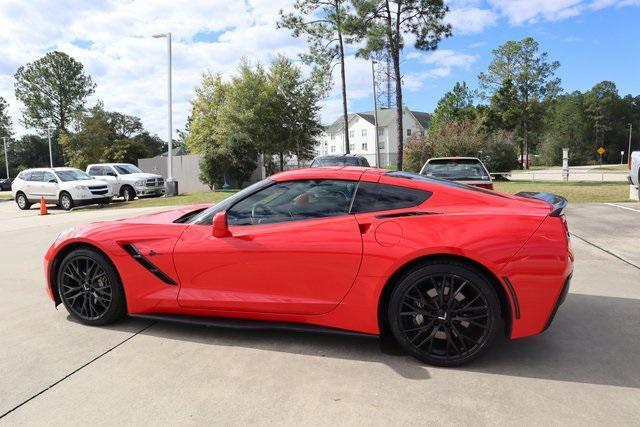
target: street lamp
172 186
6 159
375 111
629 152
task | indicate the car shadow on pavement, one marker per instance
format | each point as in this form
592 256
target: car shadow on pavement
594 339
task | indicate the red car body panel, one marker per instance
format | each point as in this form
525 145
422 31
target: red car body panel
332 271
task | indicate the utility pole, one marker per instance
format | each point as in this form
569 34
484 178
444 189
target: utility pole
49 138
6 159
375 112
629 152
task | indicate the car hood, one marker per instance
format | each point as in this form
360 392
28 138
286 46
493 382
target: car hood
164 217
140 175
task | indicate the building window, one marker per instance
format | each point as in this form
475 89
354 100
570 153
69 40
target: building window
380 131
408 132
333 136
333 148
381 145
364 132
364 146
352 147
352 134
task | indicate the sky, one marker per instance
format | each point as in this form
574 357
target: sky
593 40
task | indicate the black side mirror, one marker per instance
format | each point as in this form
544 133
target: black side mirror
111 174
53 181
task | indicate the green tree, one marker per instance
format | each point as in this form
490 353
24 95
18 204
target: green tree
52 89
457 104
499 152
326 26
203 128
108 136
385 24
417 151
532 77
458 138
29 151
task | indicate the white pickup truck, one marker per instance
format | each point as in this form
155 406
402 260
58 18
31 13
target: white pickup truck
634 175
127 180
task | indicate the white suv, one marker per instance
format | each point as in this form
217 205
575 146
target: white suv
127 180
66 187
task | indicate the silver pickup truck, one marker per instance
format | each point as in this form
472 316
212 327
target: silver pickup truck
634 175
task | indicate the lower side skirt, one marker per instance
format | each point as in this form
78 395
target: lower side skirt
247 324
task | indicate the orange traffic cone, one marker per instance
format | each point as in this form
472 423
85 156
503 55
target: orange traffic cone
43 207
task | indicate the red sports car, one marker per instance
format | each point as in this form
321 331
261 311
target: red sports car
438 266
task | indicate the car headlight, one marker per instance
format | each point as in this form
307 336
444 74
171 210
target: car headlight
139 183
81 187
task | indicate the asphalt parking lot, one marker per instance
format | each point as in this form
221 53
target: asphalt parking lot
584 370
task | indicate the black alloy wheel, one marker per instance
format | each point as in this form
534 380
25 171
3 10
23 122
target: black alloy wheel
444 315
89 288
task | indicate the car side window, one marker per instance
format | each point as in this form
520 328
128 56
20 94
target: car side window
95 171
36 176
48 177
372 197
294 201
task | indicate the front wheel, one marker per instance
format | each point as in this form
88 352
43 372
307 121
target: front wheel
22 201
66 202
90 288
444 314
128 193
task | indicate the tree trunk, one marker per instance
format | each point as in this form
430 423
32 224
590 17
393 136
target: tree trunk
526 145
394 48
281 156
343 79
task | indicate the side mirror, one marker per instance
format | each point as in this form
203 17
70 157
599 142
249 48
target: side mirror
112 174
53 181
219 225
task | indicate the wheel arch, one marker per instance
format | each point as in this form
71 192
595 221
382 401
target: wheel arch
501 292
64 251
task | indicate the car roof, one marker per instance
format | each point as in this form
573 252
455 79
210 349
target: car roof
453 158
337 156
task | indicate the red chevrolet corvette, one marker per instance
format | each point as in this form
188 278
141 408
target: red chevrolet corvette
438 266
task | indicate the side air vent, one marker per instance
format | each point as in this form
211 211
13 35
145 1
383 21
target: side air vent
133 251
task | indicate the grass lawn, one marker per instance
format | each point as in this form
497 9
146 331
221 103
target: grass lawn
575 192
182 199
6 196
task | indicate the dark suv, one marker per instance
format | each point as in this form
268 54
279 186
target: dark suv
340 160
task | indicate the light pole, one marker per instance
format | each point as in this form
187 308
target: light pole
6 159
172 186
375 112
49 138
629 152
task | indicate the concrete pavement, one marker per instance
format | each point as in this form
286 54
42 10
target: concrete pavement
583 370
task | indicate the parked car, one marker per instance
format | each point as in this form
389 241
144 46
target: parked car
66 187
431 263
5 184
634 175
127 180
464 170
340 160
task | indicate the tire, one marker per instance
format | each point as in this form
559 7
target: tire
22 201
128 193
438 330
90 288
66 201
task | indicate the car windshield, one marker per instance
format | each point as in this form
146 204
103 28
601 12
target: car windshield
126 169
72 175
335 161
456 169
206 216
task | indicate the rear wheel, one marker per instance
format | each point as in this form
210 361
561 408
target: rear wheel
22 201
66 202
444 314
90 288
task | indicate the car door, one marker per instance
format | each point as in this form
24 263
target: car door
294 249
34 187
49 186
108 174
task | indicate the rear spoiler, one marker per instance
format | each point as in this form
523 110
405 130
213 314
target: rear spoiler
558 204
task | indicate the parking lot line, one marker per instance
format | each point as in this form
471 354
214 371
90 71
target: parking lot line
622 207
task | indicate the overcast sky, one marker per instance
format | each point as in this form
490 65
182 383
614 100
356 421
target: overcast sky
593 39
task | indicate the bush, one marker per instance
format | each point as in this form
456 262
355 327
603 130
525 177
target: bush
500 152
417 151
